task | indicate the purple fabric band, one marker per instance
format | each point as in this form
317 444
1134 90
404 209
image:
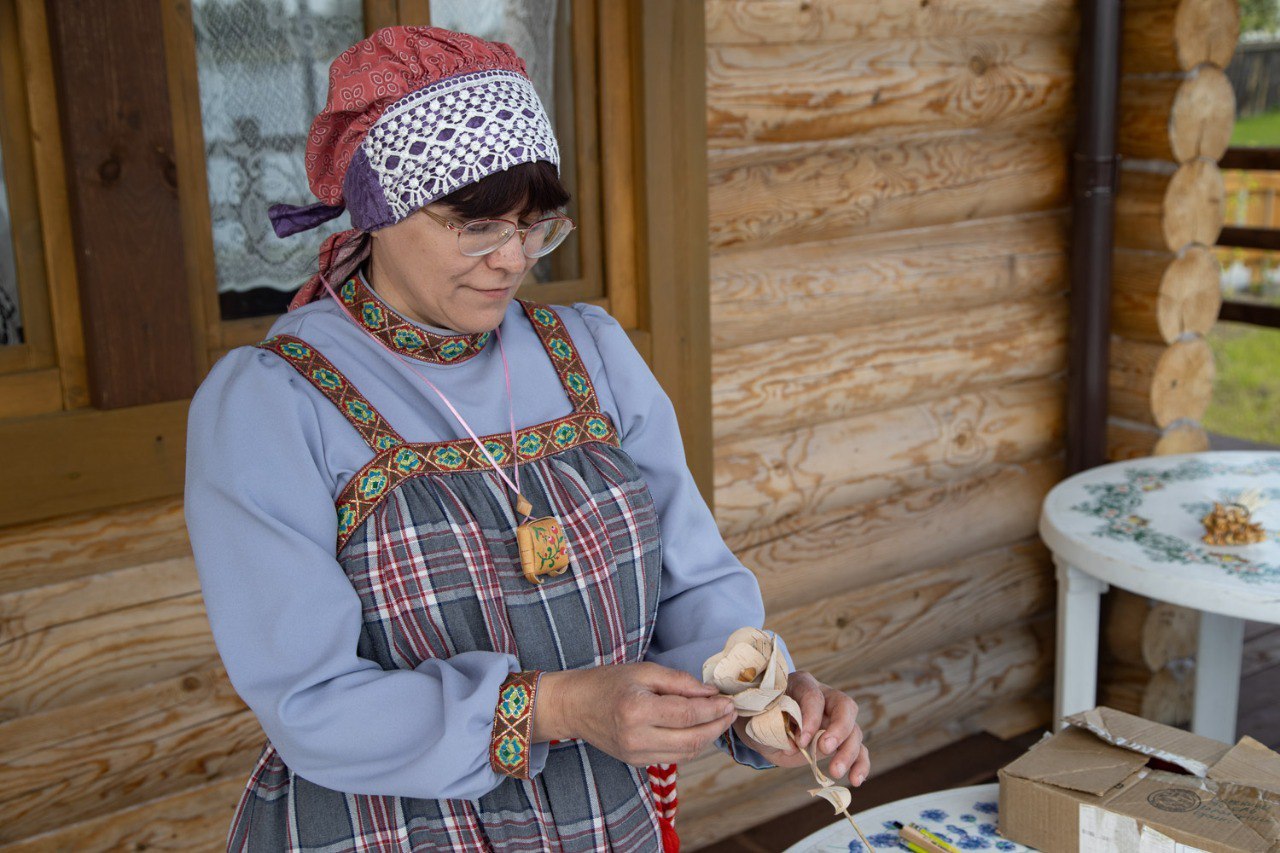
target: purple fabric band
289 219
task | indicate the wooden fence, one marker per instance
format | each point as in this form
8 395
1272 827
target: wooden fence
1251 201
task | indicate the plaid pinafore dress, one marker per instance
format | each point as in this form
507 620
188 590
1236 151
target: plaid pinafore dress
427 539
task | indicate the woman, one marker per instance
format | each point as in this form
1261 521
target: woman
424 685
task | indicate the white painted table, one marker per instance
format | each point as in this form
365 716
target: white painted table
964 816
1136 524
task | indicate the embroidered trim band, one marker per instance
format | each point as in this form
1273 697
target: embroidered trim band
396 460
386 471
321 373
511 744
564 357
402 336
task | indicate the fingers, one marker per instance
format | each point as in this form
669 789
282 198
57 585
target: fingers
804 688
680 712
845 758
671 746
842 718
661 679
861 768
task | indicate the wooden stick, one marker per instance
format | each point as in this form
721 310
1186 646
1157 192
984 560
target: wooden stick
818 777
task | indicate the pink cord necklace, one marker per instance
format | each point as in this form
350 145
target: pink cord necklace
543 546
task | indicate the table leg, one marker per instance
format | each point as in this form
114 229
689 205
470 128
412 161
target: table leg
1218 676
1079 598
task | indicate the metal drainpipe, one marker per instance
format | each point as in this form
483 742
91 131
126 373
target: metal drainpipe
1093 213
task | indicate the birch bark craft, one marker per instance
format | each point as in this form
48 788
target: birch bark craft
752 672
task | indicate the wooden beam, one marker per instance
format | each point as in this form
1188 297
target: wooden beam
871 91
776 479
775 21
886 187
847 548
773 387
85 460
118 137
674 233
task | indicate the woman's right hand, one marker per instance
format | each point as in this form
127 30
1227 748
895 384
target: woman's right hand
640 713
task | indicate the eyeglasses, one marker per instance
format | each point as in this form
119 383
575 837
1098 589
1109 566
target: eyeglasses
482 236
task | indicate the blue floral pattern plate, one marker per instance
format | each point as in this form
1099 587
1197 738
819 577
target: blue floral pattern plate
966 817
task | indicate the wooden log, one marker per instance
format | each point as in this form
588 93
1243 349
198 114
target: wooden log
774 387
773 21
1145 633
65 664
841 550
842 636
912 698
45 552
807 92
1162 36
809 289
28 611
1177 117
1155 384
836 194
1261 648
1159 297
767 480
193 819
1166 210
145 743
1130 440
1164 696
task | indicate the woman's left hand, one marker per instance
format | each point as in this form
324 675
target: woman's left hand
821 707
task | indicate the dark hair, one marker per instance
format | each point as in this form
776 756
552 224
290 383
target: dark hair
531 187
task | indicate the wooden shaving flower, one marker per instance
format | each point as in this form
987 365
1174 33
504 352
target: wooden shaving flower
753 673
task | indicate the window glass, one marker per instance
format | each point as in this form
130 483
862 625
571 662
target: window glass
539 32
263 69
10 317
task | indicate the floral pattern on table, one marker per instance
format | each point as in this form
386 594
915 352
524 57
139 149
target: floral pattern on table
967 818
1119 506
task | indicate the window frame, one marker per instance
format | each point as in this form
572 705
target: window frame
30 381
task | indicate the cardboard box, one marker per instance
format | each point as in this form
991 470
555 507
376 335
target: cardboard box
1111 781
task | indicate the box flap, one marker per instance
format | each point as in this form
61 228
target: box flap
1076 760
1249 763
1256 808
1191 752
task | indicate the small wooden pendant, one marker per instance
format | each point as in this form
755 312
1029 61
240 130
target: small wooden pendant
544 549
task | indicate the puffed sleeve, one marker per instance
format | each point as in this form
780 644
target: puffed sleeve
286 620
707 593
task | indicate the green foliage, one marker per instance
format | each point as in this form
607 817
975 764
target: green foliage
1261 130
1259 15
1246 392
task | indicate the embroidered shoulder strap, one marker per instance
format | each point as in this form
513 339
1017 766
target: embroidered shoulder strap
321 373
569 367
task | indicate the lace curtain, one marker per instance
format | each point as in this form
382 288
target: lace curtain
10 316
263 67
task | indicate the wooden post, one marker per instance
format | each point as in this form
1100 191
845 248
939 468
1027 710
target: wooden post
118 137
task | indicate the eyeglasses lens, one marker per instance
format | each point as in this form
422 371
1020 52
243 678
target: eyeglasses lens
484 236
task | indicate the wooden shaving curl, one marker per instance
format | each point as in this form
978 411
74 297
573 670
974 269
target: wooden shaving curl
752 672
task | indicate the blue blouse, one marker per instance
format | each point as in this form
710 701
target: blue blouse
268 455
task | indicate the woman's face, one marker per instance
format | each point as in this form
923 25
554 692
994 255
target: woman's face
417 268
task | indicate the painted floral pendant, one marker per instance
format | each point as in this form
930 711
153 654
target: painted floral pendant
544 549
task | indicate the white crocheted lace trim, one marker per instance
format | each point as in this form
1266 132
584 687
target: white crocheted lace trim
441 138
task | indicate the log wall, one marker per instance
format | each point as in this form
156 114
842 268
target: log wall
889 327
1177 112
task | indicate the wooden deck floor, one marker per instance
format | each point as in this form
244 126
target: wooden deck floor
976 759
